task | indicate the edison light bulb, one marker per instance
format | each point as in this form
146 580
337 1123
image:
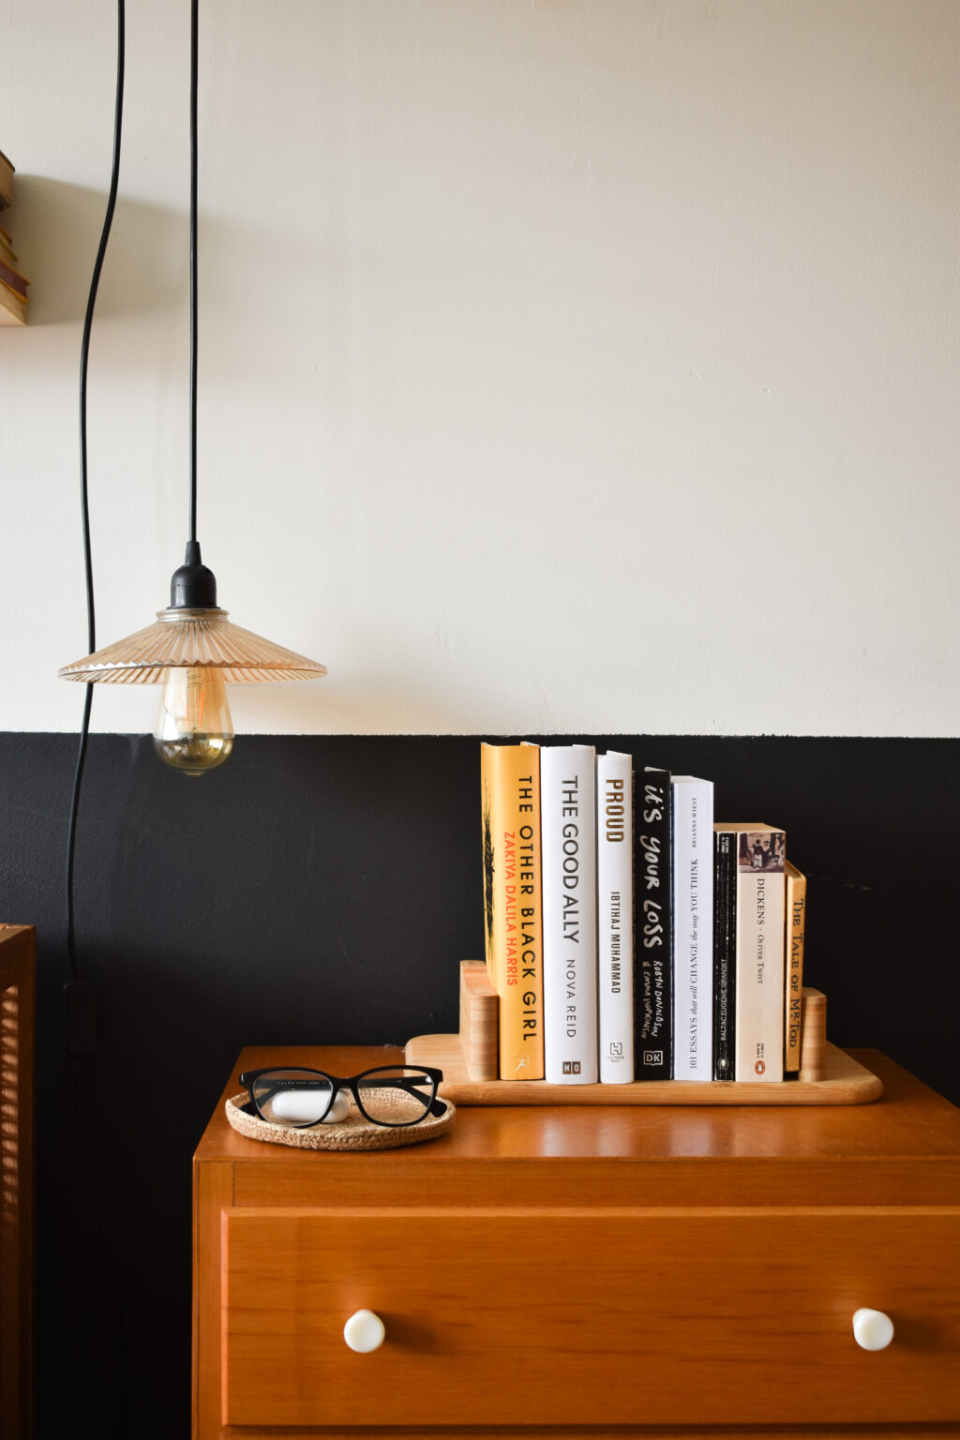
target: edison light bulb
194 732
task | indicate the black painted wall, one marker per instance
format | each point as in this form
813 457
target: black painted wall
322 890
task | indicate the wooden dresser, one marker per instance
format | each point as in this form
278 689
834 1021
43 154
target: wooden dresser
571 1272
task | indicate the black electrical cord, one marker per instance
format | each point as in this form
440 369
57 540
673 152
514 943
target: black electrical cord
194 27
79 995
84 498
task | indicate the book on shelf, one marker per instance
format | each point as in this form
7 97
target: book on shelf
724 956
654 926
7 251
795 902
11 277
568 822
13 310
510 789
615 915
759 925
6 181
692 928
13 283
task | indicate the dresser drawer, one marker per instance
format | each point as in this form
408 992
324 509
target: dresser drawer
582 1316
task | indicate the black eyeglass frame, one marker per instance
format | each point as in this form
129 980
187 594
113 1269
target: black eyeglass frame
433 1106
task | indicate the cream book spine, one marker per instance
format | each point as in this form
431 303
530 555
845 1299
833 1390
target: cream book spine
760 953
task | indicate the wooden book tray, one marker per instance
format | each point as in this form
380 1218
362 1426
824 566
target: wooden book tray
828 1076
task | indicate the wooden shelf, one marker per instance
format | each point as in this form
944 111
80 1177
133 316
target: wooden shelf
828 1076
845 1082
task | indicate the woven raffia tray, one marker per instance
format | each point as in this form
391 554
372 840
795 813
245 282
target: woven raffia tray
353 1133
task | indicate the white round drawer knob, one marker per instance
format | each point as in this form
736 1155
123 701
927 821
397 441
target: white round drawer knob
364 1332
872 1330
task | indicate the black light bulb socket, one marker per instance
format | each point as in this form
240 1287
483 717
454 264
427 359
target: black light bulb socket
193 586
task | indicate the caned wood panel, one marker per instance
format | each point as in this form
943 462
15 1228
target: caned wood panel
657 1317
17 1021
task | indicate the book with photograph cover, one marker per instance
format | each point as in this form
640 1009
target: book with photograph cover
653 909
759 1001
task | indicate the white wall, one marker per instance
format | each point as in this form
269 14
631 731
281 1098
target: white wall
583 365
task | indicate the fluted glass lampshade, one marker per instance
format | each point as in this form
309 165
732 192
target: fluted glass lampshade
183 639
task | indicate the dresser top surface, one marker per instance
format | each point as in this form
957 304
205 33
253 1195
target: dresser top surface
911 1122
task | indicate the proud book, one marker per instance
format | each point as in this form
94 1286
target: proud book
510 789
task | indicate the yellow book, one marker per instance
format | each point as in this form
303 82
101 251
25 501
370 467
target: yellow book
796 916
510 786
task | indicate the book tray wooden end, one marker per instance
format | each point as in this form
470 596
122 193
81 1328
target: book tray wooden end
828 1076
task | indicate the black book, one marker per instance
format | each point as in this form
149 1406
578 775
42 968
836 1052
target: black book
724 955
653 907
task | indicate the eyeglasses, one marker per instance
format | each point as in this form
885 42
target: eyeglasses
392 1095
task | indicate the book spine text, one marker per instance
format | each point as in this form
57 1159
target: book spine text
654 926
510 784
568 804
796 915
615 916
724 956
760 964
693 929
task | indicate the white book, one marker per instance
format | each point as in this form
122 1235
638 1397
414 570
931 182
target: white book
692 928
569 871
761 950
615 915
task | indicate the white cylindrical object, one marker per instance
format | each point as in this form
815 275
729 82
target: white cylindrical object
340 1108
364 1332
872 1330
302 1105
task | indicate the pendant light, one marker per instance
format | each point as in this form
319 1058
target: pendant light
192 649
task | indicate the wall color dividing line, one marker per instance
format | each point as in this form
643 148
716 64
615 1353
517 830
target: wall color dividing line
321 890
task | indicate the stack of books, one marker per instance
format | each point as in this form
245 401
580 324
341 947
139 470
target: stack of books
630 936
13 283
